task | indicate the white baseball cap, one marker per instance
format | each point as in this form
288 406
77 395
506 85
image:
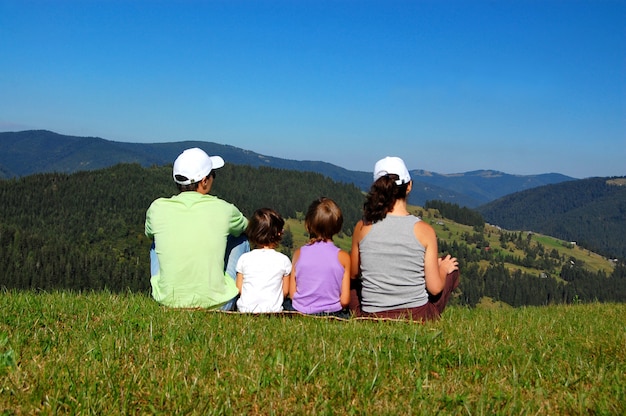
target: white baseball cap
194 164
392 166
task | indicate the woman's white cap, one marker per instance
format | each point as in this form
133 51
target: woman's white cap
392 166
194 164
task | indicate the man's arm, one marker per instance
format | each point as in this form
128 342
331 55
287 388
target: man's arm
238 222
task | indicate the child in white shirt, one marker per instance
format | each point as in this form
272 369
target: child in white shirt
263 273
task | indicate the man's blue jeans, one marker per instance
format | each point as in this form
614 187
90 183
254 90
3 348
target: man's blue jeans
235 247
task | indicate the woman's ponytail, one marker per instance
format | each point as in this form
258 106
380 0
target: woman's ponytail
382 197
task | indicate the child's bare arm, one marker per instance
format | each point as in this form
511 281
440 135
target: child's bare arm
344 259
239 281
292 277
286 279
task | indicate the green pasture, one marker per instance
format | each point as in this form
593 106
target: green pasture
103 353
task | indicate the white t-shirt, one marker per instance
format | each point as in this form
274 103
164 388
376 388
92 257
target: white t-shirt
262 289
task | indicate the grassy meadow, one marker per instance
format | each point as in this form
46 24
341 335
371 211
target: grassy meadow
103 353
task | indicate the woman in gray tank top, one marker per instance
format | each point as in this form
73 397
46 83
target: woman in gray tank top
394 258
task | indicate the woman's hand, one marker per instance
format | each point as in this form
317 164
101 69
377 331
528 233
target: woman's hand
448 264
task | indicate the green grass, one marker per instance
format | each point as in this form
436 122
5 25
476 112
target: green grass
102 353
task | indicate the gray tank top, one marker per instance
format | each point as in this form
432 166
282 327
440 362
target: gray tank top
392 266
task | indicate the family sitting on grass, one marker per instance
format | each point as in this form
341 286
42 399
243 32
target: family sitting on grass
201 254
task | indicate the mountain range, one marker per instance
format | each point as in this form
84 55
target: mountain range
38 151
590 211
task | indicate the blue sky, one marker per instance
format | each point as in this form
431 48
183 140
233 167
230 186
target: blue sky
524 87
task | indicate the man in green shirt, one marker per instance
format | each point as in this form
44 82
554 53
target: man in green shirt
190 232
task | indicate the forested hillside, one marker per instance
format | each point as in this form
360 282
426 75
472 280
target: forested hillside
84 231
590 212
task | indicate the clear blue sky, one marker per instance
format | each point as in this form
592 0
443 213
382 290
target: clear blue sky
524 87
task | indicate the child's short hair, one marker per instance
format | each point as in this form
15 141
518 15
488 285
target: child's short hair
323 219
265 228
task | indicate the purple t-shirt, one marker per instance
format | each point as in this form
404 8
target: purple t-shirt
318 279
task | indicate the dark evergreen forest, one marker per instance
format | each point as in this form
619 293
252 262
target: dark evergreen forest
85 231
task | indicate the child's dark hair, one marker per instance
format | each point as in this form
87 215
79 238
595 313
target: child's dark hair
265 228
381 198
323 219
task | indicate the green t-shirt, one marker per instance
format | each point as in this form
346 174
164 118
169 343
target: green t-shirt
190 232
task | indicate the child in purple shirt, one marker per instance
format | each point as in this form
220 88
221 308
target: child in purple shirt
320 276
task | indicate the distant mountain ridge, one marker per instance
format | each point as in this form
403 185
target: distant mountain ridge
37 151
487 185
